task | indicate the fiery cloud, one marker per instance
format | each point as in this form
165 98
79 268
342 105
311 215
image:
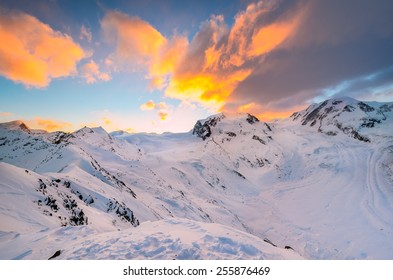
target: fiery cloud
269 37
49 124
166 61
219 58
208 69
92 74
33 53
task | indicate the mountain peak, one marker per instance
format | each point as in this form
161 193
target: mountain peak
15 125
345 115
204 128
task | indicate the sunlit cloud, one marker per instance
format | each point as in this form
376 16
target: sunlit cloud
267 112
163 115
32 53
151 105
107 121
161 108
49 124
207 69
166 61
92 73
136 41
269 37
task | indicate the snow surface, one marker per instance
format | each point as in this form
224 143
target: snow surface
248 191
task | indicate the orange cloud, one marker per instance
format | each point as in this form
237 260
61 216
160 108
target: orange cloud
269 37
49 124
209 89
166 61
33 53
92 74
264 113
140 44
136 40
219 58
209 68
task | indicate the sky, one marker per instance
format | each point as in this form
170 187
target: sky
158 66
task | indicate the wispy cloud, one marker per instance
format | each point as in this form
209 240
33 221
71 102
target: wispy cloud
91 73
85 34
5 114
33 53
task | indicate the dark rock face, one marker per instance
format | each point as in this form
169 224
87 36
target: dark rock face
252 119
365 108
313 115
203 129
24 128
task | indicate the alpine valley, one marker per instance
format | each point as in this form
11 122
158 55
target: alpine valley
318 185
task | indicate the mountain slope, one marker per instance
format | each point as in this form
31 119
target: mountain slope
324 195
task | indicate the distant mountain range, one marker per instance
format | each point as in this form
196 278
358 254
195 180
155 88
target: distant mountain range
318 185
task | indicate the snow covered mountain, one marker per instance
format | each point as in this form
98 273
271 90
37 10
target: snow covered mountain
349 116
233 187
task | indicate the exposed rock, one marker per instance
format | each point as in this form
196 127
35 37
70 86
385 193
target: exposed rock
252 119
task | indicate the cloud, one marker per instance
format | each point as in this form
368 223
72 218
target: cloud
33 53
139 44
85 34
164 63
5 114
150 105
334 43
277 55
209 68
161 107
107 121
219 58
136 41
49 124
92 74
163 115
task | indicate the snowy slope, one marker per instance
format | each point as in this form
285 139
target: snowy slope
280 185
